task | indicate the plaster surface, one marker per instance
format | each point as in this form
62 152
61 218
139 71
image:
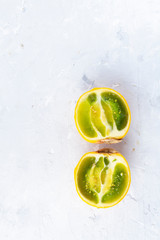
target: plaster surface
50 53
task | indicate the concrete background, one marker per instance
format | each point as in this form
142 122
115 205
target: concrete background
50 53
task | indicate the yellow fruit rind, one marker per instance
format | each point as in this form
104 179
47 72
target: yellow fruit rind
108 140
105 151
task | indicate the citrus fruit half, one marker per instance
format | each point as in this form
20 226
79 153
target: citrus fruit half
102 115
102 178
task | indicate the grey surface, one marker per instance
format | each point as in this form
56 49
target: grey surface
51 52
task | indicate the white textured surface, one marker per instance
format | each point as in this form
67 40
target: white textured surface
50 53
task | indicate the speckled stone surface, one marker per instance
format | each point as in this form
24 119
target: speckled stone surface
50 53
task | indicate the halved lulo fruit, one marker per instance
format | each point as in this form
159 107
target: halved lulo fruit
102 115
102 178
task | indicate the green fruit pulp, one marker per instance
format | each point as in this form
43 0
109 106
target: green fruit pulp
89 113
92 175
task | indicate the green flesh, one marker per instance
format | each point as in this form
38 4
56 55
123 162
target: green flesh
120 113
95 180
114 160
84 119
108 113
83 179
103 175
90 110
92 98
92 176
95 118
106 160
119 184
